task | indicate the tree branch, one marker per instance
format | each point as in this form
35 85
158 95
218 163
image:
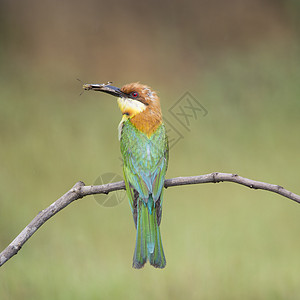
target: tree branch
80 190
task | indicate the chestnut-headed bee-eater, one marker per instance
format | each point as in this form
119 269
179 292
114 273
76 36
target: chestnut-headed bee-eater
144 148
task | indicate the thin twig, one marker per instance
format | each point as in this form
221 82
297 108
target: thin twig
80 190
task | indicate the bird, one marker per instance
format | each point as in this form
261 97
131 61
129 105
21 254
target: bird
145 152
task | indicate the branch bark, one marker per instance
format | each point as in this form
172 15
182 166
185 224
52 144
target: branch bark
80 190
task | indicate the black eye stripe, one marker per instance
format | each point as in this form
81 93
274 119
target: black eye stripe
135 96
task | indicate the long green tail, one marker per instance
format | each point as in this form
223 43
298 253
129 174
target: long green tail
148 240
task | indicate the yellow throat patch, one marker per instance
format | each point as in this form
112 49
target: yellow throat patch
130 107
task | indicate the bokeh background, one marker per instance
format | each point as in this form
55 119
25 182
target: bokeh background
239 59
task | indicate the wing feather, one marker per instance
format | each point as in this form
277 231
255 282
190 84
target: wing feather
145 163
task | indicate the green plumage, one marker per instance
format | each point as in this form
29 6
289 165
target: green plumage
145 164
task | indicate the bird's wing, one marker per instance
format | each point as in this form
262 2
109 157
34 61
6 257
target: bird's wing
145 163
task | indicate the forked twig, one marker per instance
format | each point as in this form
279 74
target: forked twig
80 190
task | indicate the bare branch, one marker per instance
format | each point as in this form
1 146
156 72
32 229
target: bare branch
80 190
220 177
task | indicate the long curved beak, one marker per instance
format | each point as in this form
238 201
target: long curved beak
106 88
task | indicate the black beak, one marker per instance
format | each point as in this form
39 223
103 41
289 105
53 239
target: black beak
106 88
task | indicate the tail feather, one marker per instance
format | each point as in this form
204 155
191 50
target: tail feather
148 239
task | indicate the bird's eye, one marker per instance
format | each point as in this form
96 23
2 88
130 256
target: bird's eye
134 94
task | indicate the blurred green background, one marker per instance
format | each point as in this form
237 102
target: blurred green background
239 59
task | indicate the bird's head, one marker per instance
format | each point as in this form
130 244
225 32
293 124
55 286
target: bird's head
137 102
